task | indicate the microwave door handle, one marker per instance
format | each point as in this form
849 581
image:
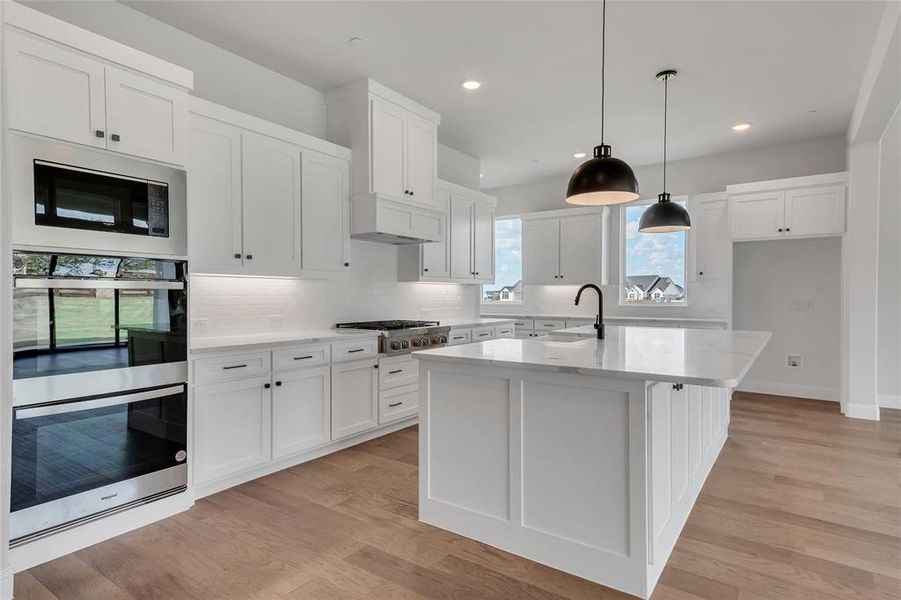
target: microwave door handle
79 405
90 284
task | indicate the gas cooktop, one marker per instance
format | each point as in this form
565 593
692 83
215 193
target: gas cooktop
402 336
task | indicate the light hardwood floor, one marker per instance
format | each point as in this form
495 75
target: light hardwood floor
802 504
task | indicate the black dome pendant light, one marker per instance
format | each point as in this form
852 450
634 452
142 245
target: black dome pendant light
664 216
603 179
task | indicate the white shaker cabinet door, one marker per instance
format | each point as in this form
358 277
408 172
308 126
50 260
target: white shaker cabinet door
54 92
461 231
232 425
301 410
815 211
144 117
758 216
541 251
388 145
422 160
711 228
581 251
271 195
483 242
214 189
354 397
325 212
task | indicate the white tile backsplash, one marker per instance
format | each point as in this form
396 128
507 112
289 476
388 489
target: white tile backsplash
236 305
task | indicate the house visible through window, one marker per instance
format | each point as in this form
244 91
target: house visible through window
653 263
507 286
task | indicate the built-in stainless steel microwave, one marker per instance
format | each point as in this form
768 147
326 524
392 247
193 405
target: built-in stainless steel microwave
70 197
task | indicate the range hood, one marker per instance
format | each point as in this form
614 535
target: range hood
378 219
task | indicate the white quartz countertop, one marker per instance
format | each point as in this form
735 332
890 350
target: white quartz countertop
270 338
609 318
476 321
719 358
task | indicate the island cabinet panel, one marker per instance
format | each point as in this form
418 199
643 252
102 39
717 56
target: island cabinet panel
469 441
598 467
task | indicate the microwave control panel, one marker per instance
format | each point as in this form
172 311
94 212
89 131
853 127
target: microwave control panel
158 209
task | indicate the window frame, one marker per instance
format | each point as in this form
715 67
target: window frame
482 286
621 293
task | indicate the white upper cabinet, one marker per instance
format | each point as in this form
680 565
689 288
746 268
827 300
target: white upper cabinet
144 117
710 228
263 199
61 93
483 241
565 247
461 231
325 212
54 92
421 160
436 258
214 189
271 193
799 207
389 140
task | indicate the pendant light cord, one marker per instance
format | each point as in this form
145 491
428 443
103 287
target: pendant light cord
665 103
603 62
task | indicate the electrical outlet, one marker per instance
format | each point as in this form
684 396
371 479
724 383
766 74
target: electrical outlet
275 321
794 361
799 305
200 326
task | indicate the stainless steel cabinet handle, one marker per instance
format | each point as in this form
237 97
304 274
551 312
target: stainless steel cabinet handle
234 367
393 404
303 357
395 371
79 405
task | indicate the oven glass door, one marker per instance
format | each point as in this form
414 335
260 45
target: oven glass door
77 315
64 449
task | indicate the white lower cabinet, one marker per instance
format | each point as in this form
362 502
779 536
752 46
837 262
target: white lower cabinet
301 410
398 403
354 397
232 427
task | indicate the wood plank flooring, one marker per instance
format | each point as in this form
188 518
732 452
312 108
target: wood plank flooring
802 504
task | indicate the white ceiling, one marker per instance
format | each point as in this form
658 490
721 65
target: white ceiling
766 62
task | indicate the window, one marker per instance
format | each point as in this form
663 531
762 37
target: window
653 263
507 287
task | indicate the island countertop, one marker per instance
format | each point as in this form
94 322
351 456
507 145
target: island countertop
718 358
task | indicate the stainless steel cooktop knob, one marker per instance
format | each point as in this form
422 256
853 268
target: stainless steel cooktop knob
417 343
426 341
395 345
443 339
405 344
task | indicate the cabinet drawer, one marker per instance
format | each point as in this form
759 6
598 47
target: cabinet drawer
503 331
221 368
398 403
548 325
354 350
524 324
459 336
398 371
301 356
480 334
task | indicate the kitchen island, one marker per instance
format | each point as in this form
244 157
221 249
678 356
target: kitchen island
585 455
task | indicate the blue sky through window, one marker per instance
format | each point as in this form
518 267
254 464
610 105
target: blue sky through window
507 260
661 254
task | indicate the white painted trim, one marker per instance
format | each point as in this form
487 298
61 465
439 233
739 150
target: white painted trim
61 32
454 188
71 540
891 17
890 401
561 212
788 389
788 183
217 112
862 411
6 584
274 466
374 88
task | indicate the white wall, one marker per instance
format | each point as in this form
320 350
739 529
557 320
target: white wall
708 300
791 288
459 168
219 75
889 296
244 304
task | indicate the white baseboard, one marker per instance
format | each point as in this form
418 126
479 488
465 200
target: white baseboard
6 584
862 411
788 389
890 401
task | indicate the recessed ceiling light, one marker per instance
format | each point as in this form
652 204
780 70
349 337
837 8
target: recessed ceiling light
356 41
481 174
472 84
741 126
579 155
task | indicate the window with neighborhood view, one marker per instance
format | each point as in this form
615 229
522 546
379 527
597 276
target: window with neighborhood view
653 263
507 287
